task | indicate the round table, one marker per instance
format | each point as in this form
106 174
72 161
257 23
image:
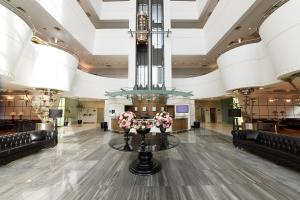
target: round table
144 145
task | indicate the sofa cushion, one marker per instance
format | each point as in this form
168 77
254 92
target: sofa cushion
37 136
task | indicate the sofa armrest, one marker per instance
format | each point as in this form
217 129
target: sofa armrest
51 138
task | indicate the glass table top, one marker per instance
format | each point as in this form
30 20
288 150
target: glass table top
152 142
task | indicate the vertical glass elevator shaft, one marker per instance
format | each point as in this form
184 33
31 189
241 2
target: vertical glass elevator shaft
150 45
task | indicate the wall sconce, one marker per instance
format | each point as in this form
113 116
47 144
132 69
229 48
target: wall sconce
273 100
10 98
288 100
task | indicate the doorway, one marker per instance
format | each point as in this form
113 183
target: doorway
212 115
202 114
100 115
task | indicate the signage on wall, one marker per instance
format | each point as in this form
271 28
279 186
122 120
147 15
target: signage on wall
182 108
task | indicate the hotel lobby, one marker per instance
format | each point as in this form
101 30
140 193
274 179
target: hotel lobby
150 99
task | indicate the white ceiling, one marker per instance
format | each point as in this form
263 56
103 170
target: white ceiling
117 66
101 24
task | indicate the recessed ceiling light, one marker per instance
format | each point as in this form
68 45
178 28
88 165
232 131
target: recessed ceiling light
88 14
21 9
237 28
57 28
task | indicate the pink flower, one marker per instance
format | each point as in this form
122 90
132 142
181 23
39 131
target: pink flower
163 119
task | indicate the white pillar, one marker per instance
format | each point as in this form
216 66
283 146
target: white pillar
132 49
167 44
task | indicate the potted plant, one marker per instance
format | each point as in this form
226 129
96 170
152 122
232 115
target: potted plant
248 118
80 108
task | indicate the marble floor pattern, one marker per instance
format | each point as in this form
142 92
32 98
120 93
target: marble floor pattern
204 166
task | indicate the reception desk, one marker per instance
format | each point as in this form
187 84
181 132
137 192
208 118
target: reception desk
115 126
179 125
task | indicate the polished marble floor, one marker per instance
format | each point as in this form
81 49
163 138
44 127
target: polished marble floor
204 166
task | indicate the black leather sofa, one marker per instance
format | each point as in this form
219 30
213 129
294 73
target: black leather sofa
282 149
17 145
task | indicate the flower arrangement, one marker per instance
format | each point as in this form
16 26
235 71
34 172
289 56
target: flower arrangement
163 120
142 124
125 120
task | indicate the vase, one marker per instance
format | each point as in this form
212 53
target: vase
162 130
143 131
164 137
126 139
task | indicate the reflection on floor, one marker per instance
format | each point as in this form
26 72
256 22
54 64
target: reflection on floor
221 128
69 130
204 166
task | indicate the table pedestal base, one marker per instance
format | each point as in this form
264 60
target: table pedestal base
145 165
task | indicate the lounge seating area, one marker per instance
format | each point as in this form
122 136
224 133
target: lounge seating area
150 100
15 126
286 126
282 149
17 145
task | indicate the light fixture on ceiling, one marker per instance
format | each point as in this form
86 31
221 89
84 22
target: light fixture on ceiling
88 14
37 40
237 28
240 40
57 28
21 9
245 91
